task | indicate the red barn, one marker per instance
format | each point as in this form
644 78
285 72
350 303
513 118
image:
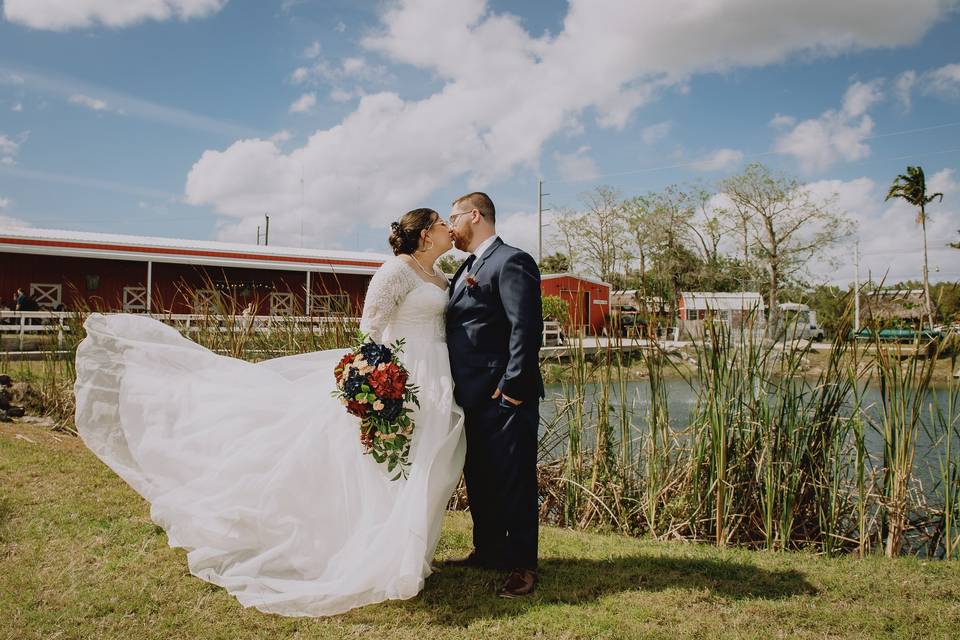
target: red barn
589 299
76 269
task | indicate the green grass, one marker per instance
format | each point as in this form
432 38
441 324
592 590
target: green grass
79 558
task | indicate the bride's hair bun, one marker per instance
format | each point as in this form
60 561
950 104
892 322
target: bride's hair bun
405 234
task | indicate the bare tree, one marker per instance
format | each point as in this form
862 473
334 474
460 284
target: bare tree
601 233
788 225
638 215
708 228
565 232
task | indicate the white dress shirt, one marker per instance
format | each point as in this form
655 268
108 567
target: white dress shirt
478 252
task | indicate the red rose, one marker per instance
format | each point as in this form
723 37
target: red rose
338 370
358 409
388 381
470 280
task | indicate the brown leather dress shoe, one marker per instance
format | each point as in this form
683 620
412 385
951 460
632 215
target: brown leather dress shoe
521 582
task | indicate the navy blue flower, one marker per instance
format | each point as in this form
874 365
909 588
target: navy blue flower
354 383
375 353
391 409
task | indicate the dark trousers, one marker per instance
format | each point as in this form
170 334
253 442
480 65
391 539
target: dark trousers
501 476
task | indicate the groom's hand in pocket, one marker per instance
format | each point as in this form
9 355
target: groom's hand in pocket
497 394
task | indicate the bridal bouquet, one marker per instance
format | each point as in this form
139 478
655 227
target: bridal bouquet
374 386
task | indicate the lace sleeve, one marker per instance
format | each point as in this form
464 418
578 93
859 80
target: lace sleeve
388 287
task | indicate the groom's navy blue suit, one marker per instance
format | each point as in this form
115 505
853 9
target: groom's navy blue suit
494 333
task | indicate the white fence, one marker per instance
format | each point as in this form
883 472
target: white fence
25 324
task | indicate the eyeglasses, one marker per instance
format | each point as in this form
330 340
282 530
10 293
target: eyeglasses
455 216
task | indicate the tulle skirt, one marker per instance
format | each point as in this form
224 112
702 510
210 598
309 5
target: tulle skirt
258 472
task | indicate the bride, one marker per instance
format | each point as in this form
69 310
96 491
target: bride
258 472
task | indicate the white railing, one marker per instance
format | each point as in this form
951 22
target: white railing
552 335
30 323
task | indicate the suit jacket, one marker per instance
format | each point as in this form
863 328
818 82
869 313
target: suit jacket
495 328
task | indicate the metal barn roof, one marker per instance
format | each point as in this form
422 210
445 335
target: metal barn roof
85 244
738 300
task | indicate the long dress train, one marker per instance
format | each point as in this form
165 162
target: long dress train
258 472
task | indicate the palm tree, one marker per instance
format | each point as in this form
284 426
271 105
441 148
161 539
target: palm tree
913 188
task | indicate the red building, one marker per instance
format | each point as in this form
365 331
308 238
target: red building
132 273
588 299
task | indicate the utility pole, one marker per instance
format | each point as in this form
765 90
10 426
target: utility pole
856 290
540 211
266 234
302 202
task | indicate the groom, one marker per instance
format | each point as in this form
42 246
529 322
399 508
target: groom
494 330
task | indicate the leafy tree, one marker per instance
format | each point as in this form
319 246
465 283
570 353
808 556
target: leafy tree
555 263
449 264
912 188
555 308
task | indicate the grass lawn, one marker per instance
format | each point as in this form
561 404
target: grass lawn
79 558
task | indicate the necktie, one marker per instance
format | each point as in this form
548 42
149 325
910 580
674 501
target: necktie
466 268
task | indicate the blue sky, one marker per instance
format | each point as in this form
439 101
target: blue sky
191 118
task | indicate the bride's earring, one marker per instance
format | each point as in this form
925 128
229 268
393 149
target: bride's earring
427 247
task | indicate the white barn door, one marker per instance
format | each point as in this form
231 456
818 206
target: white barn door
47 296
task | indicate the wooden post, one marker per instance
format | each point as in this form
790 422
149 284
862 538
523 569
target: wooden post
308 306
149 304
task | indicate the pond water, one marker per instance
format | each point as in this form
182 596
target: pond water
682 406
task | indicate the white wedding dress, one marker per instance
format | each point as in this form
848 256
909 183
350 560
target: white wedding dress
259 473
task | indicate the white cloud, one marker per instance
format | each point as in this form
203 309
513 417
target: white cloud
860 96
61 15
781 121
87 101
10 147
352 69
504 92
340 95
304 103
9 221
575 167
718 160
313 51
656 132
903 86
943 82
17 107
300 75
281 136
341 27
891 242
836 135
520 230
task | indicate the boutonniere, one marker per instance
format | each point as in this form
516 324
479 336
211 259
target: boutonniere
470 280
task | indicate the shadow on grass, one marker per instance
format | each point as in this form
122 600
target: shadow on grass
456 597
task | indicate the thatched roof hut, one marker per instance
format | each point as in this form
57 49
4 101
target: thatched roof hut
892 305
